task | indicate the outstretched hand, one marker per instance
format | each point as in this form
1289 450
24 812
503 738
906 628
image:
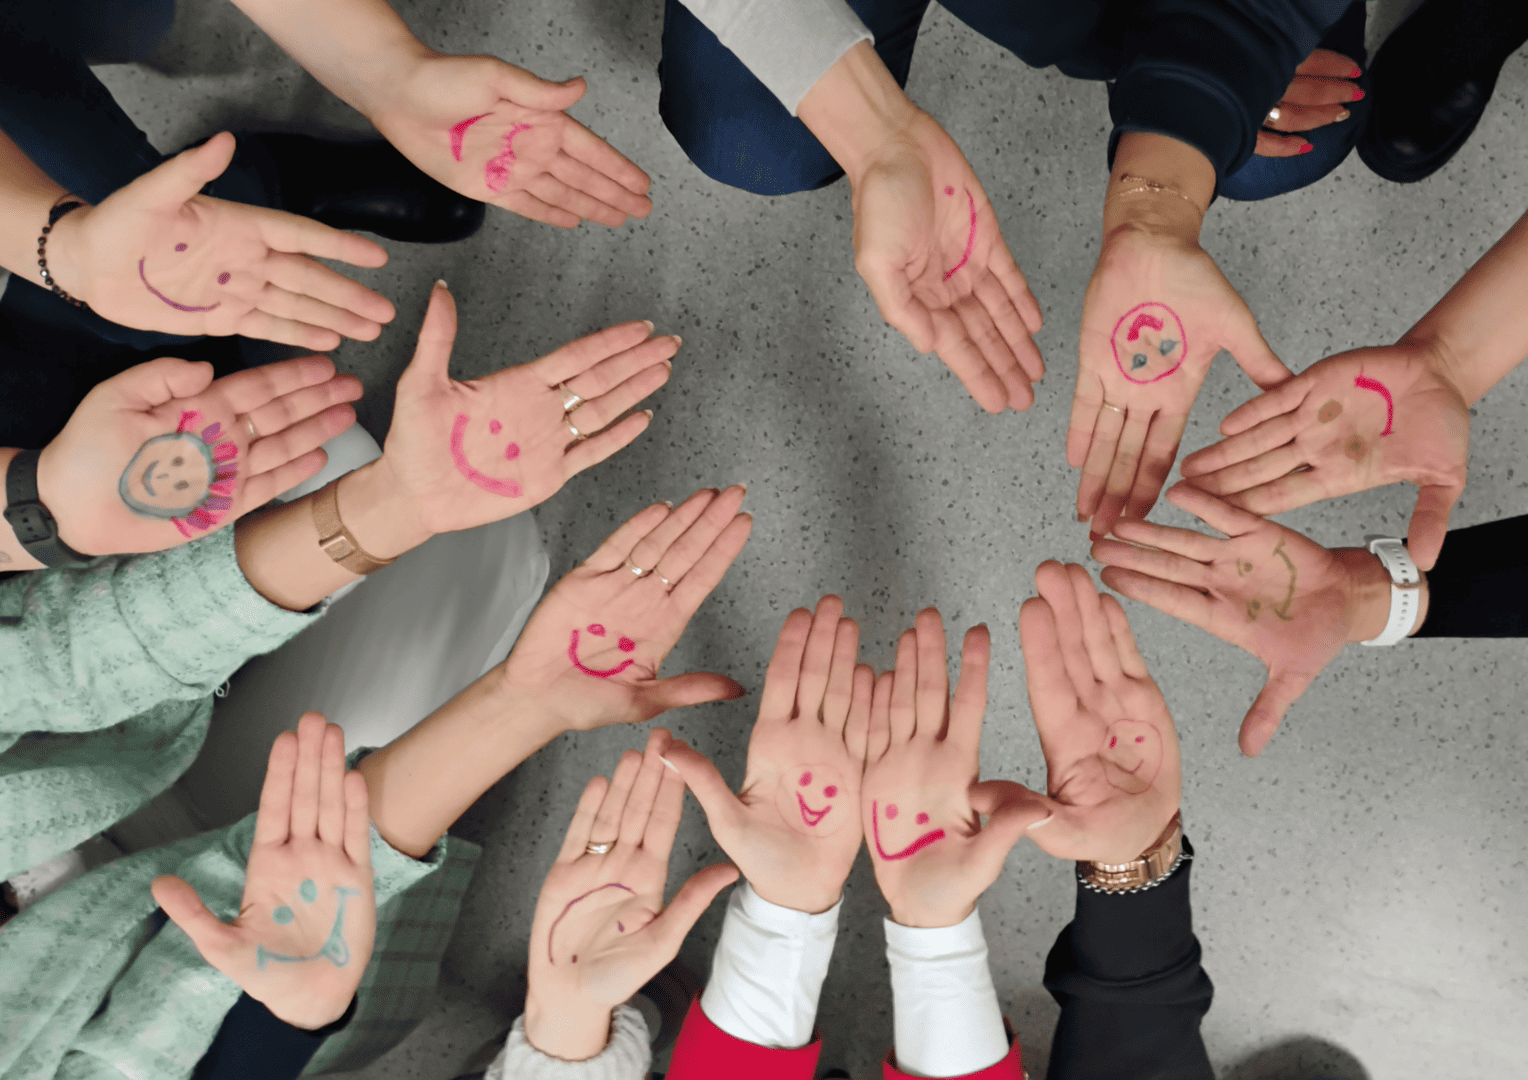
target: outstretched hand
920 800
592 648
601 930
156 255
1318 95
1351 422
304 932
1156 313
793 827
497 133
1110 747
161 453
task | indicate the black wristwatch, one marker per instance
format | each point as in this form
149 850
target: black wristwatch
34 527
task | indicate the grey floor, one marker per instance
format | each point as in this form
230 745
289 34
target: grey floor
1360 890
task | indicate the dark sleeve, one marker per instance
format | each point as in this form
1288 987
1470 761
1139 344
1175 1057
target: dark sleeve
253 1045
1206 72
1480 584
1127 976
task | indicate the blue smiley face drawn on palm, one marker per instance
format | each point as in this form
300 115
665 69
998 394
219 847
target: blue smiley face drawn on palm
334 948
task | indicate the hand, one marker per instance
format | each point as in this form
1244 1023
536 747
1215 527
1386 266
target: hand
793 828
920 799
462 454
160 454
1110 747
156 255
601 931
303 935
591 651
495 132
1351 422
1156 313
928 245
1323 85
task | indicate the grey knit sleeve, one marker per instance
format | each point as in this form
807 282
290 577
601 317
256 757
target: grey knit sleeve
627 1056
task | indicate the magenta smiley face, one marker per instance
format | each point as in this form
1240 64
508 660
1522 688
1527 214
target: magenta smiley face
509 489
596 630
807 798
891 812
1149 343
222 279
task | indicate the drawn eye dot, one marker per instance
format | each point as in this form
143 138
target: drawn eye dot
283 915
596 629
1112 740
494 427
891 811
1137 361
180 247
830 792
223 277
949 191
511 452
182 485
1166 346
308 891
806 778
922 819
626 644
619 927
1140 738
177 461
575 959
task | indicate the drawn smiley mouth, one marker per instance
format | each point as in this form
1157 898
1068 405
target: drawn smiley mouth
810 816
625 645
509 489
911 849
177 305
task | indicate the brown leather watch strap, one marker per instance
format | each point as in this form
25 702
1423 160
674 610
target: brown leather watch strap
335 539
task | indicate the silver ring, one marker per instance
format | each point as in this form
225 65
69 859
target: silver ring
591 848
635 569
1273 113
1116 408
667 584
570 400
578 436
249 422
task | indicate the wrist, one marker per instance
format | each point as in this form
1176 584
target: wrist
1370 594
382 82
856 109
1445 362
917 918
793 897
569 1029
12 555
1159 186
66 269
383 520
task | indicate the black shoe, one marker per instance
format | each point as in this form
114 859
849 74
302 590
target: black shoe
1432 80
368 186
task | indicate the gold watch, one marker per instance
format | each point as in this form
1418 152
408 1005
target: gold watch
335 539
1148 869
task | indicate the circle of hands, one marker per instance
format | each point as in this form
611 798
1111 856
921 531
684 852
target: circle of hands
521 151
303 933
156 255
919 213
295 405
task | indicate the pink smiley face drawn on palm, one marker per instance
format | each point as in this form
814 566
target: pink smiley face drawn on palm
806 798
509 489
625 644
1149 343
933 836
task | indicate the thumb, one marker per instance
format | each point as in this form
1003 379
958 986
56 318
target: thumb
669 929
1278 694
180 902
145 386
431 364
704 782
175 181
1429 523
530 90
1012 810
1255 356
893 296
692 688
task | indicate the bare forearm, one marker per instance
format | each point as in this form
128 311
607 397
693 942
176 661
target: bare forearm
356 48
1480 327
426 778
855 108
1158 184
26 195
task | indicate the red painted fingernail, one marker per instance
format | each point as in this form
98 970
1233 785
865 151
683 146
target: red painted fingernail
1355 73
1306 148
1358 95
1095 536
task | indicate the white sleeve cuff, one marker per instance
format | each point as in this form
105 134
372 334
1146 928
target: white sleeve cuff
787 44
768 970
945 1013
627 1056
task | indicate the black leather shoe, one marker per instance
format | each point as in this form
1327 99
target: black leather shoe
368 186
1432 80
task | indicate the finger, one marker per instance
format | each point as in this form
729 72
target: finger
296 234
331 786
1214 512
1287 492
1163 565
1011 278
274 820
253 388
838 697
612 371
182 176
721 807
1127 460
529 90
554 192
857 724
964 357
1097 637
1266 467
597 448
1329 63
311 316
657 838
783 676
644 793
931 676
1157 457
1267 712
677 691
146 386
525 204
878 732
1284 398
817 659
576 839
1054 583
1271 145
271 452
1011 810
1107 426
585 146
325 288
262 326
1185 542
648 552
305 780
430 368
1295 117
688 548
594 415
566 363
357 820
983 332
668 930
1429 522
1244 446
1170 598
970 704
893 296
707 574
1130 660
1010 323
288 409
617 546
1253 354
1052 692
261 489
607 822
1308 89
212 937
600 187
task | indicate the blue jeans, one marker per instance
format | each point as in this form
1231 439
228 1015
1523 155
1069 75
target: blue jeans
737 132
54 108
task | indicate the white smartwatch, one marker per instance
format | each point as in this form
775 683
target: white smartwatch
1405 589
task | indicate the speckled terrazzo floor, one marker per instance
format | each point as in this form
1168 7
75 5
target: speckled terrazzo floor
1360 891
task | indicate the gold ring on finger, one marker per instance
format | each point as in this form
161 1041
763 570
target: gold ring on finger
591 848
1273 114
635 569
249 422
570 400
667 584
578 436
1116 408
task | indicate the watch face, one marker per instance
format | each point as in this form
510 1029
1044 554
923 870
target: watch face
169 476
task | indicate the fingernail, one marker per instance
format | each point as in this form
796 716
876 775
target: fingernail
442 283
1343 114
668 504
1355 73
744 487
678 340
1306 148
1082 519
1095 536
1358 95
649 324
1043 821
649 413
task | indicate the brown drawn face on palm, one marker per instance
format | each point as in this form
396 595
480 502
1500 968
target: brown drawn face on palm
1274 579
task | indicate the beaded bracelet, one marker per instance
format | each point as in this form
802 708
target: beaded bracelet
58 211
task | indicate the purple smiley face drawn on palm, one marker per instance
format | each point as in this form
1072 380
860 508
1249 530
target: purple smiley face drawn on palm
222 279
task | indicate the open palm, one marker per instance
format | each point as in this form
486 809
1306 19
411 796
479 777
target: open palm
304 931
592 649
1156 313
1111 751
1358 420
793 827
